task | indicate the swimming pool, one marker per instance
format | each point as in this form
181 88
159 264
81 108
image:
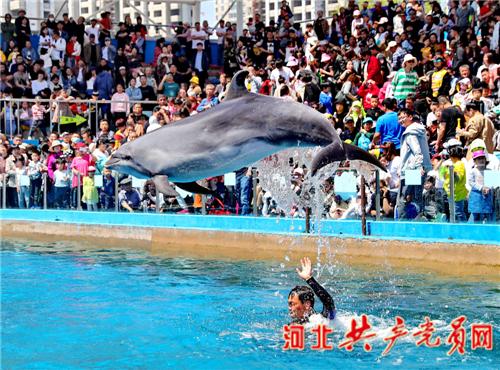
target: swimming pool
121 308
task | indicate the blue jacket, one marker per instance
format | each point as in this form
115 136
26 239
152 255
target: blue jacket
104 85
32 52
134 93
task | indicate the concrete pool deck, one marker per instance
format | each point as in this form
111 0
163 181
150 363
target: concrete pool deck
457 249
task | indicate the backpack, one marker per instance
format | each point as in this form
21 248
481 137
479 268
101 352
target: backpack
364 142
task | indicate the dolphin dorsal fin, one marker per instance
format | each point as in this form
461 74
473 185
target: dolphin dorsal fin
237 87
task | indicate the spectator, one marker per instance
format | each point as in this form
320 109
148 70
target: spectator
477 127
92 52
480 197
129 198
119 103
388 128
133 92
414 156
405 80
455 151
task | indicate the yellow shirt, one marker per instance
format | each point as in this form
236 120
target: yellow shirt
90 194
460 178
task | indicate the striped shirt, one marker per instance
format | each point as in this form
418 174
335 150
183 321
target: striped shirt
404 83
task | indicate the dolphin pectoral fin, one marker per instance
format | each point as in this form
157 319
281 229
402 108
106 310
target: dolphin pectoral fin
237 86
195 188
353 152
338 151
163 186
331 153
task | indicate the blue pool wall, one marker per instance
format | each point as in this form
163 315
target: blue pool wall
414 231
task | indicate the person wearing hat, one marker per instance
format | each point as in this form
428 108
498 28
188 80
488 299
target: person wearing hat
109 52
357 23
463 96
405 80
477 127
439 78
128 198
478 145
455 152
480 203
349 132
92 51
364 137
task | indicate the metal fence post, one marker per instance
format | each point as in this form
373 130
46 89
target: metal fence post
254 185
79 193
116 191
4 191
10 120
51 115
451 199
157 202
377 195
203 204
363 206
44 186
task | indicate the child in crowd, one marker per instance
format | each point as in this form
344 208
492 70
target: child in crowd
61 185
455 151
90 195
38 127
35 169
480 196
23 188
79 167
107 192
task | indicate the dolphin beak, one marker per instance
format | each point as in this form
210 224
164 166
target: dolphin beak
112 161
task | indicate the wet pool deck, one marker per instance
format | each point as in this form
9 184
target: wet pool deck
459 249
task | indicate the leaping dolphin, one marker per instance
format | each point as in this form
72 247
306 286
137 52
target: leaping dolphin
242 130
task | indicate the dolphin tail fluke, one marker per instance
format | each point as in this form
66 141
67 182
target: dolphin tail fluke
353 152
337 152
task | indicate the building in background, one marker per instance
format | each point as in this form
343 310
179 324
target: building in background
250 7
303 10
35 9
161 13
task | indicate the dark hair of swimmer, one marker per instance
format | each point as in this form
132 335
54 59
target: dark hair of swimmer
301 298
304 293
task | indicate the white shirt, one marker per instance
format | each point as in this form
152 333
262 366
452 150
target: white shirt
285 72
59 179
37 86
220 39
199 33
59 49
93 31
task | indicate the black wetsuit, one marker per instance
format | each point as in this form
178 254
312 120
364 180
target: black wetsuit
325 298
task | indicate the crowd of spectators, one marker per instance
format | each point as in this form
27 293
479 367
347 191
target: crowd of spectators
414 84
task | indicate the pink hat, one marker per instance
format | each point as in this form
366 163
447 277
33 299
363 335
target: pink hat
91 169
325 58
478 154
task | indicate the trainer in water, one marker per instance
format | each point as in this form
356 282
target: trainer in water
244 129
301 298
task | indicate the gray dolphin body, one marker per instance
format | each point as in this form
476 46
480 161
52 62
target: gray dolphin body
243 129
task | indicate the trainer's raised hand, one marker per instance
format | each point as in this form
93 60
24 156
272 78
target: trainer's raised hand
306 272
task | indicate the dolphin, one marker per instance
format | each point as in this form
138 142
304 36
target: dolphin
242 130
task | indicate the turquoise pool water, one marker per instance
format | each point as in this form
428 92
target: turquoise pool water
123 309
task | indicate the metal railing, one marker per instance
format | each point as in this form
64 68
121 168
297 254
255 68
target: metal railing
92 116
375 213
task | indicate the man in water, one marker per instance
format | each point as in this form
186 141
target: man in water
301 298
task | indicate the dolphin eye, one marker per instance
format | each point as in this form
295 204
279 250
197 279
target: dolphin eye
127 157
